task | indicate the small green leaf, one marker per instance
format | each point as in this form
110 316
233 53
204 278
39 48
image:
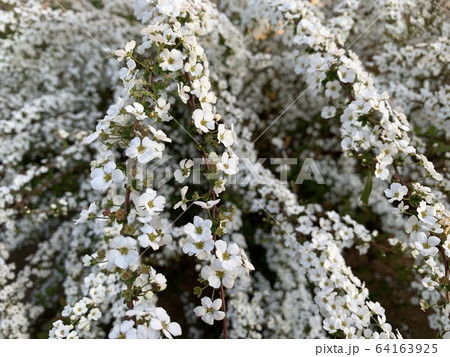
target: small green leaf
367 189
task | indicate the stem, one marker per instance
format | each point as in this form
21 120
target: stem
224 307
446 269
127 196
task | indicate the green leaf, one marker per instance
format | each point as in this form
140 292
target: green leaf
367 189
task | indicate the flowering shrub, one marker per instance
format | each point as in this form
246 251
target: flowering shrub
204 169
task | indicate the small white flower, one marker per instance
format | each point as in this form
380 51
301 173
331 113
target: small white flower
200 230
228 254
426 213
152 202
216 275
210 310
245 261
66 311
381 171
123 253
208 204
161 322
72 336
185 171
86 260
226 136
228 164
102 177
332 89
183 92
137 109
127 52
153 238
413 226
85 214
396 192
79 308
430 167
125 330
429 284
183 201
346 75
427 246
171 60
328 112
145 150
162 109
146 332
94 314
200 242
160 135
204 120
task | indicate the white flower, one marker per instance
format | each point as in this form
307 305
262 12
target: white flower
228 254
162 109
430 167
204 120
145 150
123 253
85 214
66 311
160 135
200 242
328 112
345 74
332 324
86 260
208 204
79 308
171 60
171 8
427 246
125 330
127 52
146 332
161 322
219 185
245 262
396 192
228 164
182 92
413 226
226 136
183 201
193 68
94 314
72 336
151 202
60 330
185 171
216 274
332 89
103 176
429 284
137 109
426 213
210 310
153 238
381 171
200 230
